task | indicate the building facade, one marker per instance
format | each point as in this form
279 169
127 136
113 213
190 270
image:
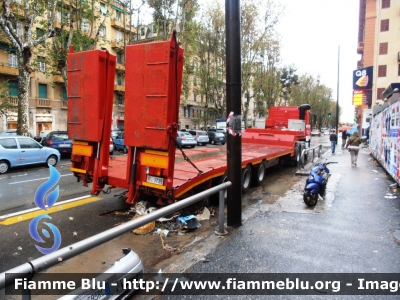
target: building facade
48 101
379 44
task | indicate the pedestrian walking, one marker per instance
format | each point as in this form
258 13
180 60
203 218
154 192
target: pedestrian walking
353 144
344 138
334 139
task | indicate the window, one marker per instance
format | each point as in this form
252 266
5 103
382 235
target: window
195 81
398 70
383 48
13 87
382 71
120 99
385 25
379 92
25 143
42 63
8 143
385 3
39 32
103 9
64 94
120 79
12 60
117 15
154 28
85 25
194 66
185 111
142 31
194 97
42 90
120 58
102 32
202 98
186 95
19 29
119 36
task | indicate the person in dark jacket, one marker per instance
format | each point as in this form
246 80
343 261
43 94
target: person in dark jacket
353 144
334 139
344 138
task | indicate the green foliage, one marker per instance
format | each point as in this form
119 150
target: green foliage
5 104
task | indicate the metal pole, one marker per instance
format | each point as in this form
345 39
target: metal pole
337 101
233 104
49 260
221 228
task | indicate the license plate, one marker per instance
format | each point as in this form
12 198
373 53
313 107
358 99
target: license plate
155 180
64 145
96 294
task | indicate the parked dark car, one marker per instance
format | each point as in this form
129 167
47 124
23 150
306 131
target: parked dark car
119 143
216 137
200 136
185 139
58 140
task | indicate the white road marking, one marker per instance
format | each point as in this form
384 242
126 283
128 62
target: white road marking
37 179
20 175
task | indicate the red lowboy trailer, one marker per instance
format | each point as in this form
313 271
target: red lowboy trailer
153 167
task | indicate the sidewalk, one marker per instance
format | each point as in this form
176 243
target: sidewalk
352 232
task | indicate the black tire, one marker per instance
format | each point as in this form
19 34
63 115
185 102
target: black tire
246 178
111 152
51 160
125 149
223 144
310 199
4 166
192 146
258 174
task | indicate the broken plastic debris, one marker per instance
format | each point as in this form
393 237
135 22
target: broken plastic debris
390 197
19 248
71 218
375 171
74 233
30 258
15 233
394 184
189 222
205 215
60 259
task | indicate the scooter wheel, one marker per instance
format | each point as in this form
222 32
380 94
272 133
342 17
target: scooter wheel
310 199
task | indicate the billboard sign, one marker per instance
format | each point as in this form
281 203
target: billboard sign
362 78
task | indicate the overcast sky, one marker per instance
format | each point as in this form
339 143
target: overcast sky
311 31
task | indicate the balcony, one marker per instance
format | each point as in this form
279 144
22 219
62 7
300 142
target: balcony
117 44
43 103
119 25
64 104
6 68
119 87
360 48
120 67
58 78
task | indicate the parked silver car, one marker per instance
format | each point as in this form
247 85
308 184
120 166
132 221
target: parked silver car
16 150
200 136
185 139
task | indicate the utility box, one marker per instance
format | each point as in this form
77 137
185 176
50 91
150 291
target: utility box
296 125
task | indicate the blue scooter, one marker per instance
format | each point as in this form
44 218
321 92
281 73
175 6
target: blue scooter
316 184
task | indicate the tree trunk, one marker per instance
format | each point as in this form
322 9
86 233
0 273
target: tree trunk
23 98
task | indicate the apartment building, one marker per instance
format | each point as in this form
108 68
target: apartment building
379 44
48 101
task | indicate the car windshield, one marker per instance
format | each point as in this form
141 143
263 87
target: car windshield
60 136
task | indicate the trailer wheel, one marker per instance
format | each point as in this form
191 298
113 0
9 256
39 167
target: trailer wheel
259 174
214 199
246 179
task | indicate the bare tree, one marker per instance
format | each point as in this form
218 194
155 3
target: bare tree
30 13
